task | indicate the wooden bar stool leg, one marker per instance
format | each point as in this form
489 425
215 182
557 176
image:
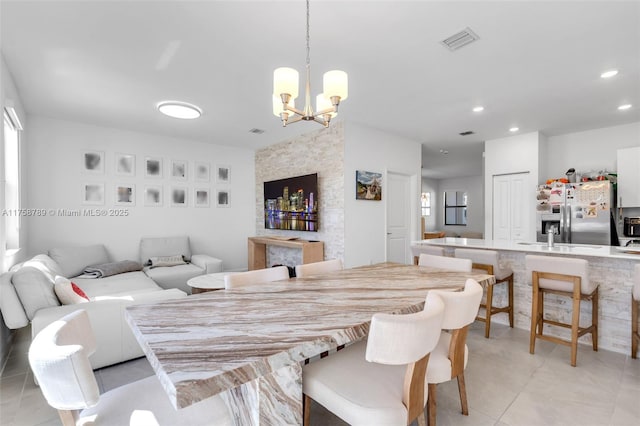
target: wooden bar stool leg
534 313
540 310
594 319
510 290
634 327
575 320
306 410
488 308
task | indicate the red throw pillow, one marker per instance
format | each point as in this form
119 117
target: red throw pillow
69 293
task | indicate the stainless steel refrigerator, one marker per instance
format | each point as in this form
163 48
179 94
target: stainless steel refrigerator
578 213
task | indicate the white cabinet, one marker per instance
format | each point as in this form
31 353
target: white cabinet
629 177
511 207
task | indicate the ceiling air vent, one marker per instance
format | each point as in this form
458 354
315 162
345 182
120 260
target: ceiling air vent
256 131
467 133
460 39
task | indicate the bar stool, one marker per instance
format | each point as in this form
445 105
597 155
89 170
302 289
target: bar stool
635 301
565 277
487 261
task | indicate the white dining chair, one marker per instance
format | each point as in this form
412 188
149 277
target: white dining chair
380 381
487 261
258 276
635 302
445 262
59 359
317 268
449 359
427 249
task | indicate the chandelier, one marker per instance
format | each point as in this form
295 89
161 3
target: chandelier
285 91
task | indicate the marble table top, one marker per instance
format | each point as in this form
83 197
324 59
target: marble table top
212 342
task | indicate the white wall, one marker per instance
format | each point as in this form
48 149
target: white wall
473 186
514 154
365 221
592 150
55 179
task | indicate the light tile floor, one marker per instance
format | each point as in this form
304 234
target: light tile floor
505 385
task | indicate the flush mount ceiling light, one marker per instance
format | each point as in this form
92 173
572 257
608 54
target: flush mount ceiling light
285 88
624 107
478 108
609 74
181 110
514 129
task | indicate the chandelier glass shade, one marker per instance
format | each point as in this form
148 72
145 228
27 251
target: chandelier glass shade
285 91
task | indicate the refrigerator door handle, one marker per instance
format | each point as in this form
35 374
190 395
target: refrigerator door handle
562 231
568 222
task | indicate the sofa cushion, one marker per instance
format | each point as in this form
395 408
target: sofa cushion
35 289
166 261
73 260
43 263
174 276
69 293
130 282
170 246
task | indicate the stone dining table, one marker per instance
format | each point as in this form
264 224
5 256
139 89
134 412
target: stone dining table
248 345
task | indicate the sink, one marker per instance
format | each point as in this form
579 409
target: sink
563 245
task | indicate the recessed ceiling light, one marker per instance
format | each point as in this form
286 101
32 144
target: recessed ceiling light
625 106
181 110
479 108
609 74
514 129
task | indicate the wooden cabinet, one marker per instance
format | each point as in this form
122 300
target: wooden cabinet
312 251
629 177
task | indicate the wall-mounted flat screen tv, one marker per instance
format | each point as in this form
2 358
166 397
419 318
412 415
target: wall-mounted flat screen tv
292 204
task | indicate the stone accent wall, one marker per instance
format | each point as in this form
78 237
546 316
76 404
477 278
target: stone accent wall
319 151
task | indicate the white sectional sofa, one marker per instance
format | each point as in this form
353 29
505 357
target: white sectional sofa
27 293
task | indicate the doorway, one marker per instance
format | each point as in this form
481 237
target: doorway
399 223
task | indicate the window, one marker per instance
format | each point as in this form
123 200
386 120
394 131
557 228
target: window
11 179
455 208
425 203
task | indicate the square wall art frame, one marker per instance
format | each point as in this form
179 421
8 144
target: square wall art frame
153 167
93 162
153 195
93 193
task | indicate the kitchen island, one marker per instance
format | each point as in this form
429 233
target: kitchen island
611 267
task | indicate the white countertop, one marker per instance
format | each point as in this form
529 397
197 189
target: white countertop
632 253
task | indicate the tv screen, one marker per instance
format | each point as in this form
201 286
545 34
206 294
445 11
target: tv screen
292 204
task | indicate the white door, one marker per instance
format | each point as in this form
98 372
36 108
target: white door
398 218
511 204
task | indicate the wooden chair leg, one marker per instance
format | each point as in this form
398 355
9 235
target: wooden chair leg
306 409
489 306
510 290
541 311
575 322
634 328
68 417
462 389
431 404
534 313
594 319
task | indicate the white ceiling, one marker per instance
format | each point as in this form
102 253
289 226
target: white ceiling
537 65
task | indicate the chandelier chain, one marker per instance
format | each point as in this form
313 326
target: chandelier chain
308 48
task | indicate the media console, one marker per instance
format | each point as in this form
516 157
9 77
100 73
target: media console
312 251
